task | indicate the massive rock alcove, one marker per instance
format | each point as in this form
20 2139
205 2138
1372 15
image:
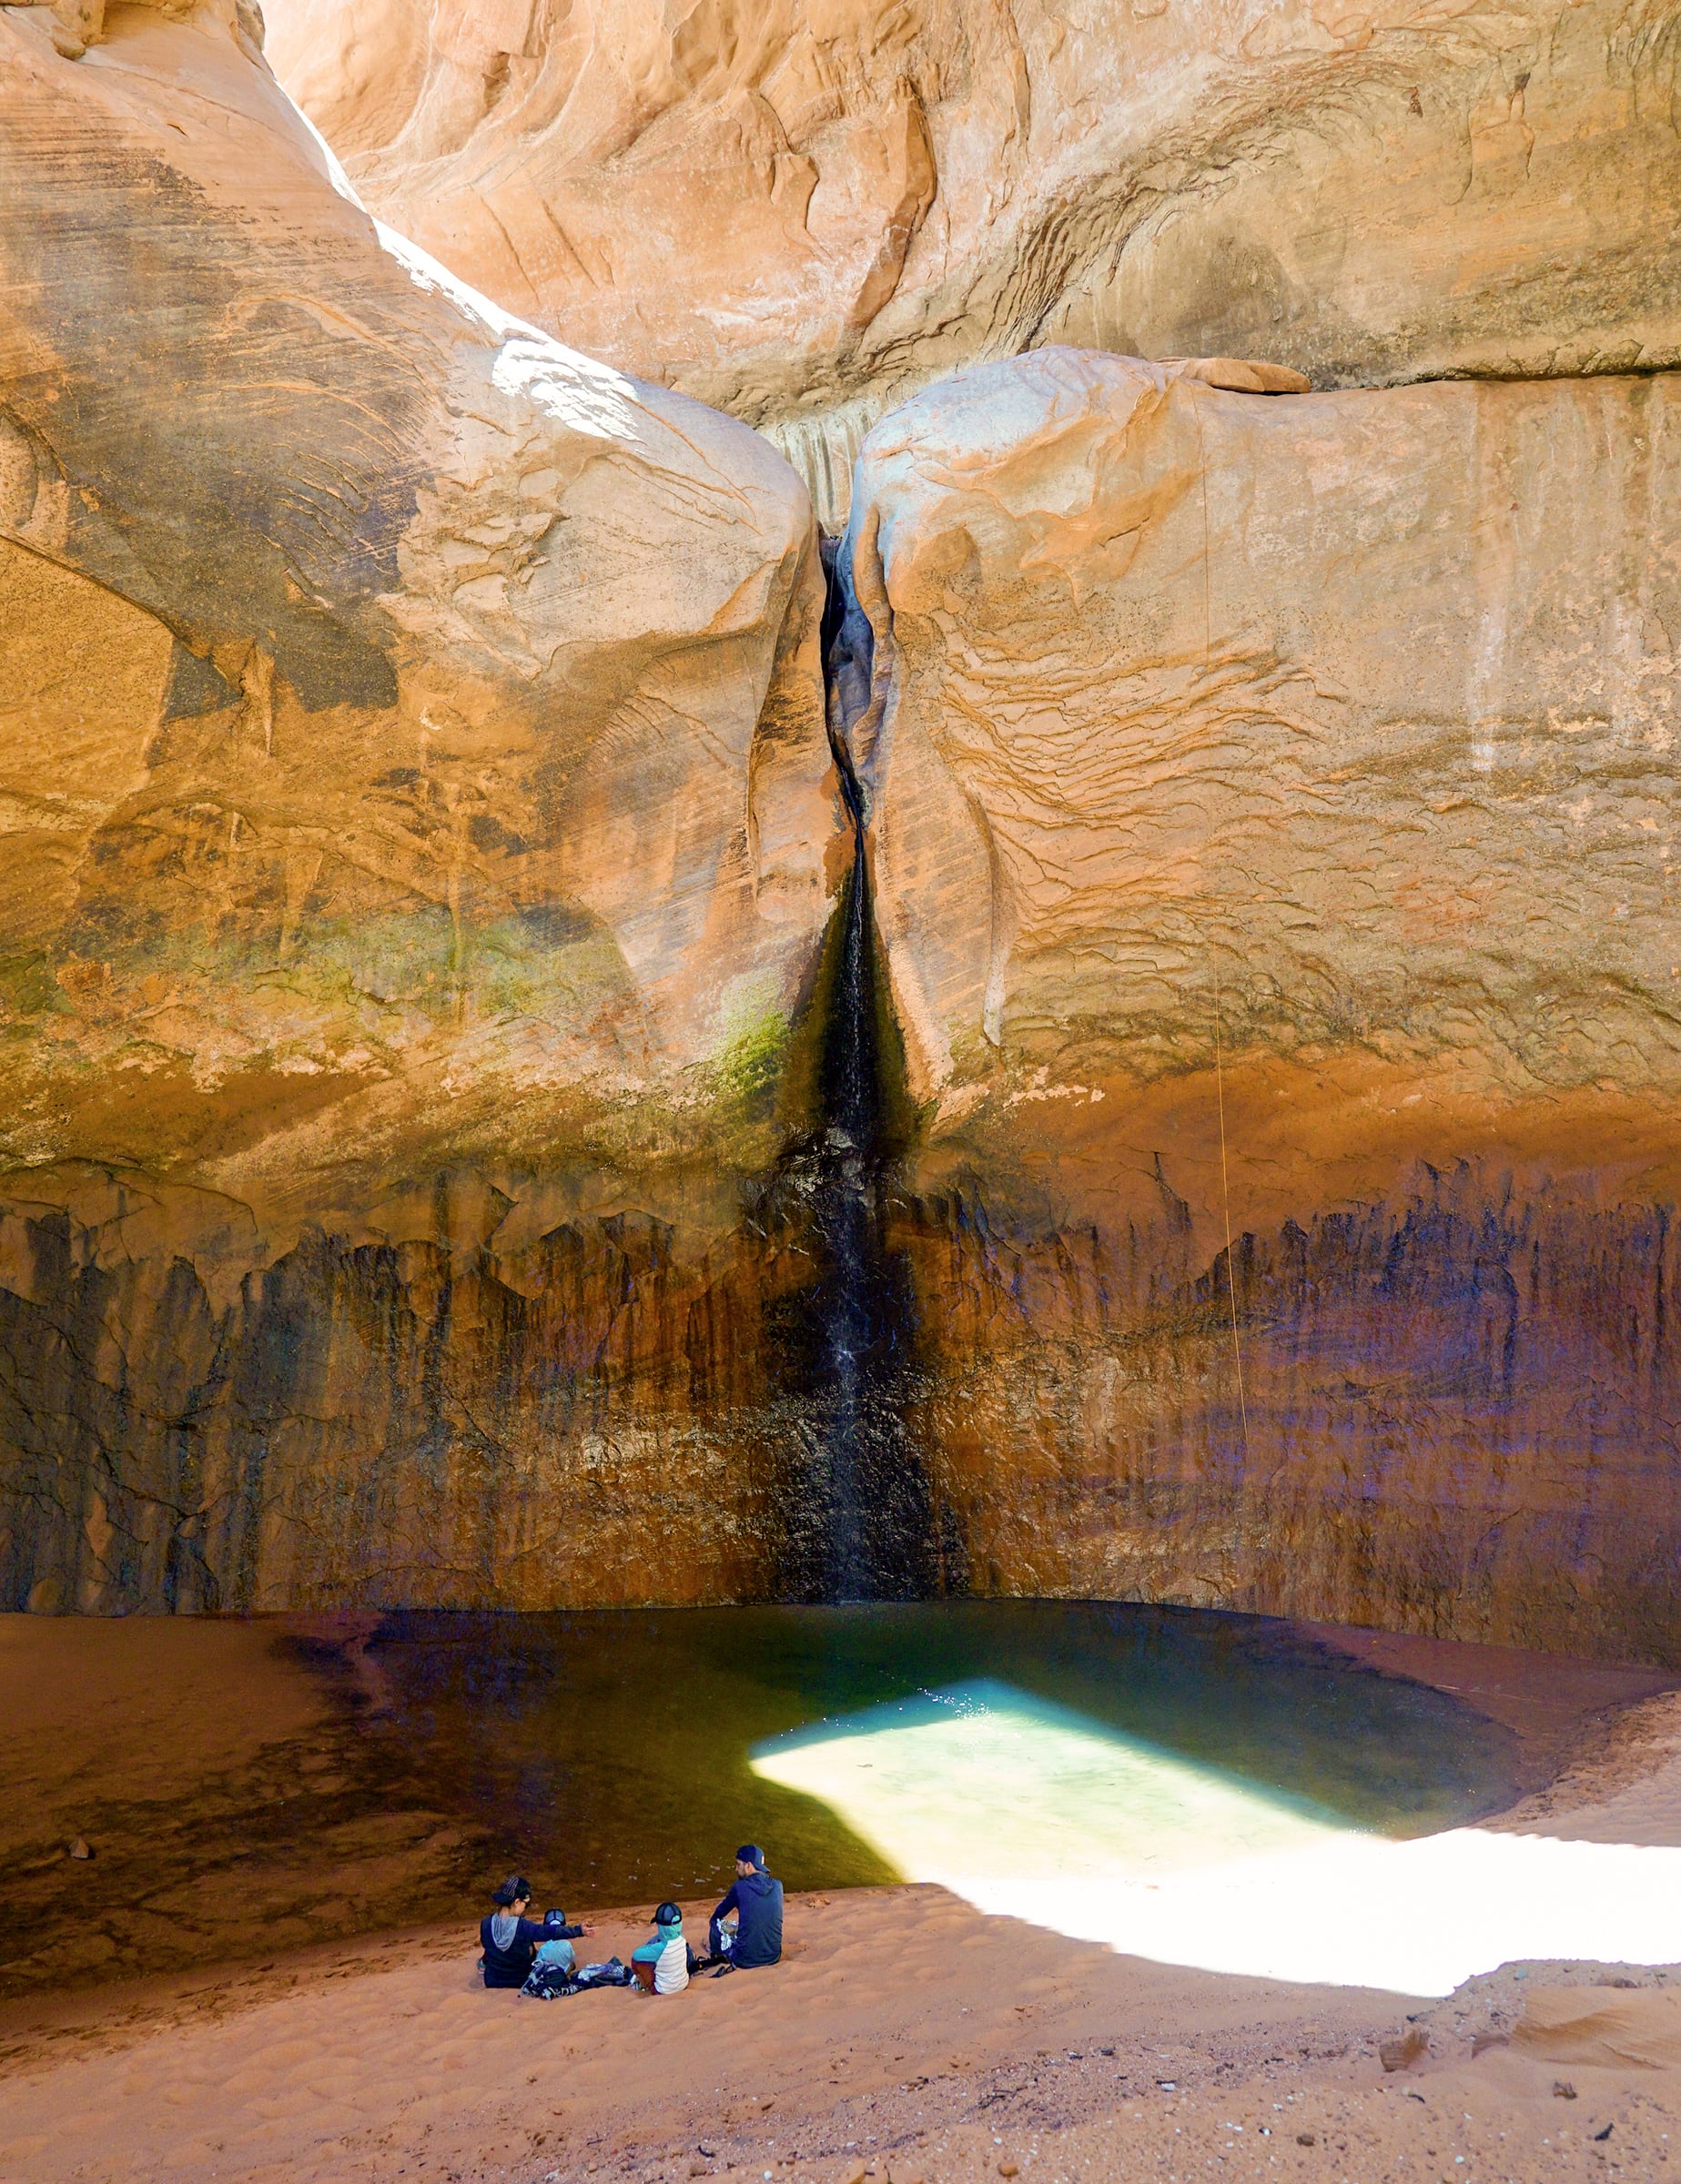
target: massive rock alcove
473 1135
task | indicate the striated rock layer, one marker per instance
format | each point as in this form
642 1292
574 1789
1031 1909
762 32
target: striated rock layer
593 1421
800 209
1272 832
420 833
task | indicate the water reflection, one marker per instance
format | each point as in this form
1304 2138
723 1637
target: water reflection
615 1752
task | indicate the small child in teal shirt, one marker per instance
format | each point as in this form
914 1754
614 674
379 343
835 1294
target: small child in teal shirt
663 1965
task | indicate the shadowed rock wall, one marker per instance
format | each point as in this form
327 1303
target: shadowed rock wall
595 1420
1459 1411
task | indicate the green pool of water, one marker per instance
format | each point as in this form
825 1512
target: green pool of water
610 1756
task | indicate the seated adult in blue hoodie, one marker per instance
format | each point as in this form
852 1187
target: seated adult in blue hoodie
510 1940
756 1900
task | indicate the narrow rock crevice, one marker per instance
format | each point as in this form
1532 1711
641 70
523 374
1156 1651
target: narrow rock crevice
863 1523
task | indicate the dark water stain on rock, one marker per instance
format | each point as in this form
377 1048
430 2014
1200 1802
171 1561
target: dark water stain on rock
861 1521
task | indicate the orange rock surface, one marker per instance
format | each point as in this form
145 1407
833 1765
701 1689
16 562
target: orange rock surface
418 824
492 724
801 211
420 828
1271 830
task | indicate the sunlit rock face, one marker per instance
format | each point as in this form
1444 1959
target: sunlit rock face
1271 822
420 828
799 210
417 805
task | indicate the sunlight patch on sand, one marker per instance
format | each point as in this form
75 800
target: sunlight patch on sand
1027 1809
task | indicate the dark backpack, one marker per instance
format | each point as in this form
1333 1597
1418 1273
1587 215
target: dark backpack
610 1974
547 1982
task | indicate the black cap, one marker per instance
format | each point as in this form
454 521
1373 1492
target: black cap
749 1854
668 1914
515 1889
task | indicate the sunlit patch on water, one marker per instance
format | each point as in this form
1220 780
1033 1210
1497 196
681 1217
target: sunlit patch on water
982 1778
1028 1808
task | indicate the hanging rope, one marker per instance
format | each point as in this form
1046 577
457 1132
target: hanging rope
1220 1075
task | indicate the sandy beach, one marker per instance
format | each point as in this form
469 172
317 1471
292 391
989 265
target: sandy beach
905 2035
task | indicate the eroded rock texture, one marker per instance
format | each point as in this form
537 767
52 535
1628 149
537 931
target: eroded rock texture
799 210
417 805
594 1418
1273 830
420 828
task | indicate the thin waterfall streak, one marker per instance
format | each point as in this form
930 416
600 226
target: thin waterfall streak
865 1528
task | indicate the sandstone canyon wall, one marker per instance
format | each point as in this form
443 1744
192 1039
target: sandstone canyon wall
420 834
468 1140
801 210
1273 830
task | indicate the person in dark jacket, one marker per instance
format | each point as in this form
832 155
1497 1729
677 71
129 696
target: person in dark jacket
510 1940
756 1901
